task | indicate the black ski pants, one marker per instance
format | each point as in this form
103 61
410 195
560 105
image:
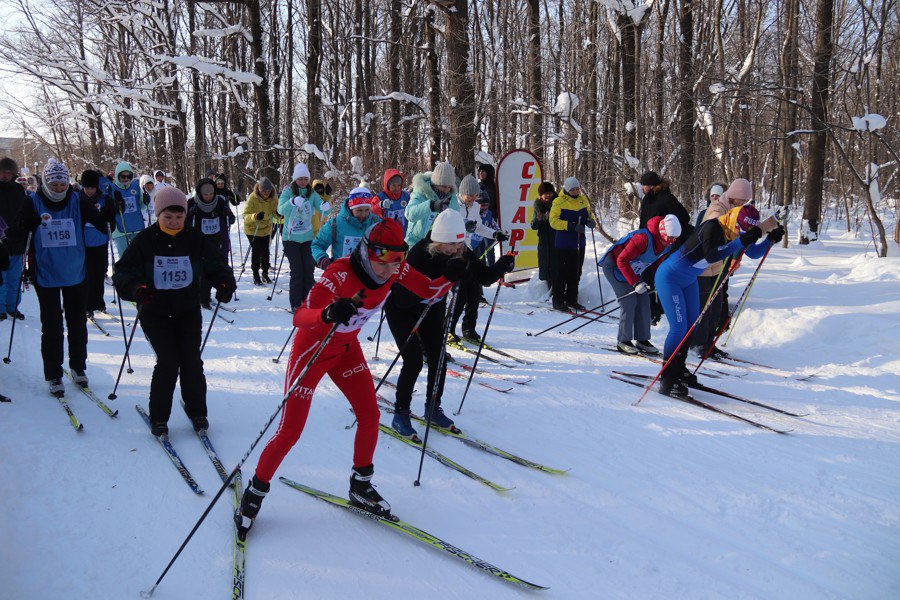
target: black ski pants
259 253
52 312
299 255
426 345
468 298
176 342
96 263
705 332
568 274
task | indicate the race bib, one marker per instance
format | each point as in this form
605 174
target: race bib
302 220
397 215
350 244
57 233
209 226
172 272
362 317
131 204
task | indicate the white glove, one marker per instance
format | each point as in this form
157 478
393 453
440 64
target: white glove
325 207
641 288
298 200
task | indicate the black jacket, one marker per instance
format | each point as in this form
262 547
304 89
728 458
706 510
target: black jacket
136 267
660 204
12 207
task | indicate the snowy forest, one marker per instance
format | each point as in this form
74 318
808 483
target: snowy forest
795 95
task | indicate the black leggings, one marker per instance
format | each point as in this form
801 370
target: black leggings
259 254
73 298
428 342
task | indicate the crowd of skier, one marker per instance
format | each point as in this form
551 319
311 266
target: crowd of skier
415 256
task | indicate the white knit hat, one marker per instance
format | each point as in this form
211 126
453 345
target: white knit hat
443 174
571 183
671 225
55 172
300 170
716 190
448 227
469 186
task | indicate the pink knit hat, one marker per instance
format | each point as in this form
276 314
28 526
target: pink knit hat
740 189
168 197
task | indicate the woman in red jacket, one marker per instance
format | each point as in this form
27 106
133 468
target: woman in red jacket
351 290
623 264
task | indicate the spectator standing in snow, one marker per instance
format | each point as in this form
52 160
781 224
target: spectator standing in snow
350 292
569 215
13 204
261 205
161 271
488 194
540 222
57 216
303 210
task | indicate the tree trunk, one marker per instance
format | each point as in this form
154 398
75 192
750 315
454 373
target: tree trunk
686 88
434 92
789 60
313 57
535 91
815 183
462 114
393 130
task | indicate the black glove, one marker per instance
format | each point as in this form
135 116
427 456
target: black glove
260 216
339 311
439 205
471 225
323 263
224 293
506 263
590 223
120 201
776 234
500 236
455 269
751 236
31 222
143 294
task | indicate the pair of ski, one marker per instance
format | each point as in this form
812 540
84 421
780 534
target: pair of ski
639 380
96 323
221 316
76 424
755 366
655 358
471 347
522 380
468 440
176 459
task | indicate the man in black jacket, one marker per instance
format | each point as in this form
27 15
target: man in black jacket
12 202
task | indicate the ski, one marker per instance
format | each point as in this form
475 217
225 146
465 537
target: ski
170 450
72 419
223 307
211 452
705 371
108 316
443 459
710 407
755 366
718 392
459 375
483 373
495 350
476 443
460 346
98 325
240 547
93 397
415 533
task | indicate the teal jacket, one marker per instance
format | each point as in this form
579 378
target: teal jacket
303 218
418 211
342 233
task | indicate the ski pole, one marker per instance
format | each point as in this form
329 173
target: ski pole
237 468
378 333
441 372
489 248
276 237
682 342
290 335
739 307
487 326
277 273
597 265
12 330
112 395
122 318
600 316
247 255
561 323
209 329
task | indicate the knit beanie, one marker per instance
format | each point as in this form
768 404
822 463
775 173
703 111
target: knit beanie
90 179
265 184
448 227
650 178
716 190
300 170
359 197
740 189
55 172
570 184
748 217
469 186
443 174
167 197
671 226
546 188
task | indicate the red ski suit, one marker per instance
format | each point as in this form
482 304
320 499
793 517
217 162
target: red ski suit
342 359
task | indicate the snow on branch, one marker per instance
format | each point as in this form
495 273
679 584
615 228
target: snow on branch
209 68
421 103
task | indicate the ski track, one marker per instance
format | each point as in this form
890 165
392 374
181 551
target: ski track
664 500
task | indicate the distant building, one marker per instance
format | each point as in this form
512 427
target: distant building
27 152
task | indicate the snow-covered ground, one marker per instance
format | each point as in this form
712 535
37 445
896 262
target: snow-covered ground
663 500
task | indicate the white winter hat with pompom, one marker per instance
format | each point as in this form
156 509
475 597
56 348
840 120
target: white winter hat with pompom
448 227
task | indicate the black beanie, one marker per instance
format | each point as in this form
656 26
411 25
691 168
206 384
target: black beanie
90 179
546 188
9 164
650 178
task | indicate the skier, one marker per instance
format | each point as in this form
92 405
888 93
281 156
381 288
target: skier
13 204
469 292
222 189
540 222
161 271
393 197
209 213
676 280
96 242
57 215
351 291
261 205
130 204
343 233
433 192
303 210
569 215
623 264
431 269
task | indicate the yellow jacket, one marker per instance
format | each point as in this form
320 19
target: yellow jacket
256 204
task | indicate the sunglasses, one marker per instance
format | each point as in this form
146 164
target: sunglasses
387 255
125 177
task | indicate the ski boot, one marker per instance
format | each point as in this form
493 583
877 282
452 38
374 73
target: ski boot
674 387
265 277
452 338
627 348
402 425
575 306
250 504
472 336
79 377
56 387
439 419
200 423
256 279
363 494
159 428
560 306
